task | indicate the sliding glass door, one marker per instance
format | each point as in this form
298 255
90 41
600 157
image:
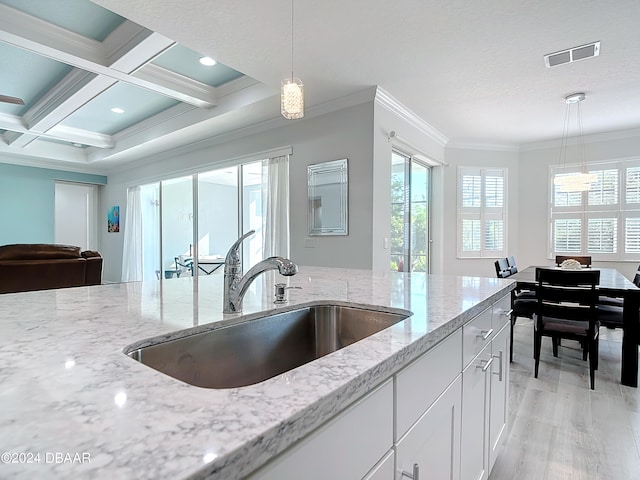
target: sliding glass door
410 181
176 207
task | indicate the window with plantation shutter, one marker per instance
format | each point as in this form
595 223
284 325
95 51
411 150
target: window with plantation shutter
603 221
481 212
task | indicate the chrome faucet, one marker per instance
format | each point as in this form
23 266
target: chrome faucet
235 286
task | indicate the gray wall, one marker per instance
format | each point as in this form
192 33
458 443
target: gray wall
341 134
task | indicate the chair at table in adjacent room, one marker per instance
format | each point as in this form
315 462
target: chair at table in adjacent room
566 309
585 261
502 268
523 302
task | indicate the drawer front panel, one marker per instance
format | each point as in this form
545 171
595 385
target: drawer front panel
346 447
500 315
419 384
476 335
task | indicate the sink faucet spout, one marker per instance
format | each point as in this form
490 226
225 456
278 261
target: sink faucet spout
236 286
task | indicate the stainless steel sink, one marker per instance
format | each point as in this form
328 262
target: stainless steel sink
255 350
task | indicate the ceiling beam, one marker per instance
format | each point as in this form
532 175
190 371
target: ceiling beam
15 124
125 51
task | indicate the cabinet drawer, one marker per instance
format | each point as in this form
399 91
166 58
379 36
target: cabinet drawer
500 315
346 447
476 334
419 384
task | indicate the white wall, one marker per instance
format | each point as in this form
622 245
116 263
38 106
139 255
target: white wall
341 134
534 193
457 157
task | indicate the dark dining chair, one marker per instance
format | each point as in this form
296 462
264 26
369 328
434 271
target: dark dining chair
502 268
566 309
523 302
585 261
636 278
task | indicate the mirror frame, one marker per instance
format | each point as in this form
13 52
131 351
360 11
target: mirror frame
315 172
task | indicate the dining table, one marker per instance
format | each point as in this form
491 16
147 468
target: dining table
612 284
210 263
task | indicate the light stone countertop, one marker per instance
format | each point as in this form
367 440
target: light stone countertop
69 394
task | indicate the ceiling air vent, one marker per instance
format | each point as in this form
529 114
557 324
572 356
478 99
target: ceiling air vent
572 54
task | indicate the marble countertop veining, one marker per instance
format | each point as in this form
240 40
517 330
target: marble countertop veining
73 405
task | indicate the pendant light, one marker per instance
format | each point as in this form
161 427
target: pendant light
577 181
292 90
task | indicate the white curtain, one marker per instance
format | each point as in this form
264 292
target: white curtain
276 206
132 251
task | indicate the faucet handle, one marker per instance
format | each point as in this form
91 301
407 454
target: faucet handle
232 257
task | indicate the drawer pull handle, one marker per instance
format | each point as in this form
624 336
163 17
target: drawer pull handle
485 366
499 373
507 313
484 334
414 475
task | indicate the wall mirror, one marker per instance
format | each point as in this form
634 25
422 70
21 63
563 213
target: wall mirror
328 184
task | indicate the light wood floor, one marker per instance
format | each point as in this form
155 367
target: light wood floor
559 427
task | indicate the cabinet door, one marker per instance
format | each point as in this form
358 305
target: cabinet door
346 447
433 442
499 394
475 411
383 470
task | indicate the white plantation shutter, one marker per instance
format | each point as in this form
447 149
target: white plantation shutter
471 190
632 191
604 221
481 212
632 237
602 235
567 234
604 191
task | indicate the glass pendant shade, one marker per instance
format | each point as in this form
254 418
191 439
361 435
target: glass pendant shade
574 182
292 98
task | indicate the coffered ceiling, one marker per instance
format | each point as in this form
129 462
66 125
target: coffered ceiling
474 70
73 63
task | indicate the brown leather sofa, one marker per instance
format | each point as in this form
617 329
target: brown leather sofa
39 266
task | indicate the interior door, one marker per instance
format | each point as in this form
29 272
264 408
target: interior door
76 215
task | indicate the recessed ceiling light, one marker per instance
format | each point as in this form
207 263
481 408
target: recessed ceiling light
77 145
207 61
117 110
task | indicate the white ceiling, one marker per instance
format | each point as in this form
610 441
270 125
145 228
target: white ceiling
474 70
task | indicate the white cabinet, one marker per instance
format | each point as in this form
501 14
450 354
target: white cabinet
383 470
485 391
446 412
475 404
347 446
499 397
433 442
428 399
419 384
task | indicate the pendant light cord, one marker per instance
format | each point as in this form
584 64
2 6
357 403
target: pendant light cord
292 41
565 135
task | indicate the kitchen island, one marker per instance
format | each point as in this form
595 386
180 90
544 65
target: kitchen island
73 405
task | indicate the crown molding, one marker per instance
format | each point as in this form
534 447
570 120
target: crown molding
495 147
385 100
626 134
